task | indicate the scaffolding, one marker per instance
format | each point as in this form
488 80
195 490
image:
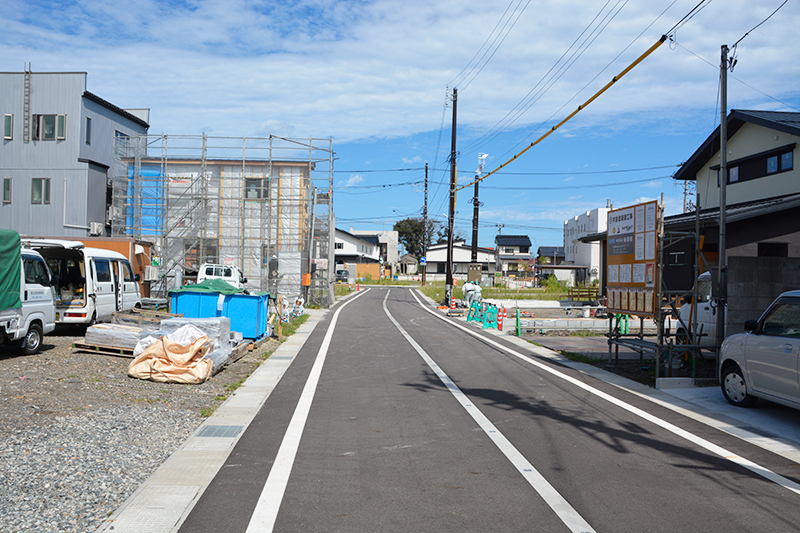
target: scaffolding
263 205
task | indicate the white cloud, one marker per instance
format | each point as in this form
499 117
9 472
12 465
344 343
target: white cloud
356 70
355 179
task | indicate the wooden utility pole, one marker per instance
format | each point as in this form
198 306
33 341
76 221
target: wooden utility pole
452 211
722 267
425 227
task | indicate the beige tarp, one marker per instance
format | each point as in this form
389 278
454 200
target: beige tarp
173 362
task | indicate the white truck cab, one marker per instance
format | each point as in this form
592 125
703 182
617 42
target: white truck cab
27 307
703 311
228 273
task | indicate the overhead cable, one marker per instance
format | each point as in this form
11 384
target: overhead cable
589 101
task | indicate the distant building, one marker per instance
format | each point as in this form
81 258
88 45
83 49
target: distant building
462 257
58 150
511 252
587 254
349 248
389 247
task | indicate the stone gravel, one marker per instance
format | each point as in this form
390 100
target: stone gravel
78 436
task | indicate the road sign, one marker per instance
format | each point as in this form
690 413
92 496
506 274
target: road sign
422 260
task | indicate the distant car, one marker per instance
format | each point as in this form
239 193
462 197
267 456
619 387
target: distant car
341 276
763 361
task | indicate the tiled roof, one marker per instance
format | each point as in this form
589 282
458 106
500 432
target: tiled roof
512 240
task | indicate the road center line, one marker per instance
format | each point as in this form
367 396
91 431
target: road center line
691 437
549 494
269 503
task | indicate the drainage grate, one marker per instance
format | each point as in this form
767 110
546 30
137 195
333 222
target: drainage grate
220 431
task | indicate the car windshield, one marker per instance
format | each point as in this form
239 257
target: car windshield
783 319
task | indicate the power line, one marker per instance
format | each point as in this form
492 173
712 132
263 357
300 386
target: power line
759 24
528 101
589 101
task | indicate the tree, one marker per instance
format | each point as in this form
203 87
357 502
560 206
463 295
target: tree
409 233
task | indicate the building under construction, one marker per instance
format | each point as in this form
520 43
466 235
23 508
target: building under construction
263 205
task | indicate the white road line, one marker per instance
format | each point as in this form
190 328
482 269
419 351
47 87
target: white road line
691 437
549 494
269 503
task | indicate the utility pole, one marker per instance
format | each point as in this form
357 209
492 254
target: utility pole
475 207
451 212
722 267
425 227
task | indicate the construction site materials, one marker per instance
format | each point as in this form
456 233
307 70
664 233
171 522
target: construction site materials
180 357
114 335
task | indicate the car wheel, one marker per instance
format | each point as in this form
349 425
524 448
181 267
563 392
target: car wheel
734 388
32 341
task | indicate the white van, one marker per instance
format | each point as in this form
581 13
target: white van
91 283
228 273
27 308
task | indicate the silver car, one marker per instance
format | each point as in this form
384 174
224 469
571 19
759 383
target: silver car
763 361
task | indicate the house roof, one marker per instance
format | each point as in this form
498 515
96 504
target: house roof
733 213
550 251
776 120
737 212
118 110
512 240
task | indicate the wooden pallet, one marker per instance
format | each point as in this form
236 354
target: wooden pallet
104 350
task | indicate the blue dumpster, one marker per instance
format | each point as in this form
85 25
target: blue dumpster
212 298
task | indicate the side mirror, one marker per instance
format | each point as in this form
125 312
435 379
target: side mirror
244 280
136 277
687 298
751 326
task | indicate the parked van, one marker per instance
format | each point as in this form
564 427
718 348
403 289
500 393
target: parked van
27 306
228 273
91 283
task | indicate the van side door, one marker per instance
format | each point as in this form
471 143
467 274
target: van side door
130 288
105 295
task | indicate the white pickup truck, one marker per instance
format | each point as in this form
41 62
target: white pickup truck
27 296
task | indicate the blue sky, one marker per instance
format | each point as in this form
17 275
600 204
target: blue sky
373 76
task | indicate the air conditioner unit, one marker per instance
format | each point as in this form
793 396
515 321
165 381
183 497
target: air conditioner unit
95 228
150 273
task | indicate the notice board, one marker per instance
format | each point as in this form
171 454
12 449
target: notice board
632 264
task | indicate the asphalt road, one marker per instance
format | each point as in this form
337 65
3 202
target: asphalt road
392 418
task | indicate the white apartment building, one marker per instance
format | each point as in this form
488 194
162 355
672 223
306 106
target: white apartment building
585 254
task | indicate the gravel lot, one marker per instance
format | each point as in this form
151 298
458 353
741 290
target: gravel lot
78 436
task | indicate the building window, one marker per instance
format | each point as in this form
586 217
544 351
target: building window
787 162
339 246
8 126
6 190
508 250
40 191
256 188
88 130
773 249
772 164
49 127
759 165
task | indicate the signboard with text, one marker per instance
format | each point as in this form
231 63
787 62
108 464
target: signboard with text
632 264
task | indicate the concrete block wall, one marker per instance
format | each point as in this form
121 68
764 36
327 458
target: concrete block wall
754 282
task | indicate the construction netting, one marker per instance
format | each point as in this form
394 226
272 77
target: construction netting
261 204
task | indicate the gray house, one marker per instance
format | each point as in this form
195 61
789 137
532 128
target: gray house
57 154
